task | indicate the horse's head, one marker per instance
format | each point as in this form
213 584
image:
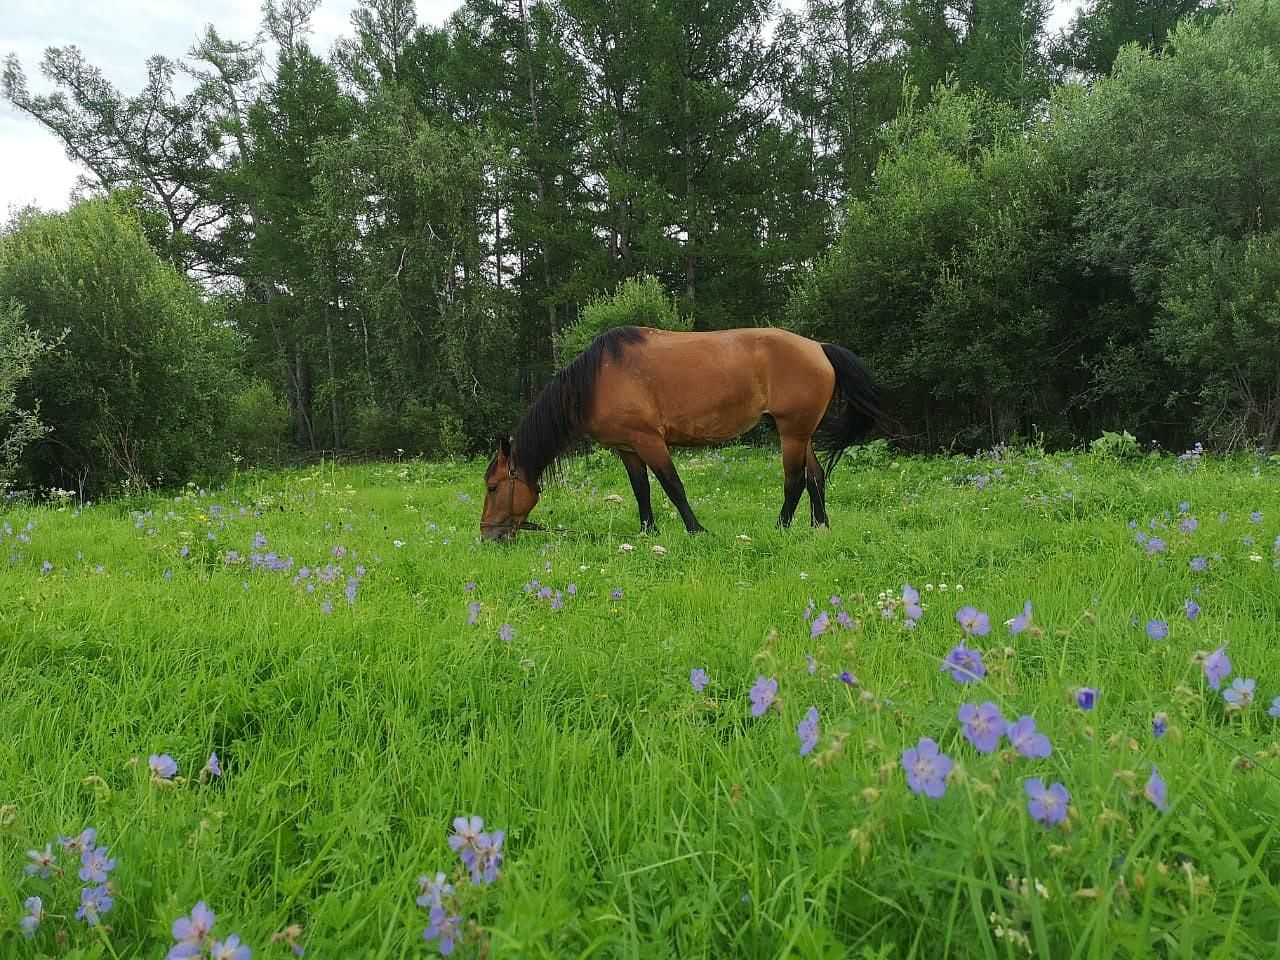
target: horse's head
508 498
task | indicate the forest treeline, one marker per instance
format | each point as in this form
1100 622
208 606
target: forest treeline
389 246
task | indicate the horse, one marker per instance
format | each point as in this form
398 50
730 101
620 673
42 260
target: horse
641 391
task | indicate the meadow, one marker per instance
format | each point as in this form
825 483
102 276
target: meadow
273 702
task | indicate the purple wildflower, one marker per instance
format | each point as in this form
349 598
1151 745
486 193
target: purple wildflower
965 665
819 625
339 551
846 621
231 949
463 840
506 633
1157 791
1240 694
163 766
1255 517
1048 805
974 621
1188 525
213 766
615 593
808 611
431 893
1217 667
848 678
45 568
259 540
911 602
352 585
1192 609
94 901
762 694
78 844
446 926
326 606
484 869
30 921
983 725
42 862
807 731
1022 734
698 677
810 664
473 612
1157 629
191 932
1159 725
1275 707
926 768
1199 563
95 865
1155 545
469 586
1022 621
1086 698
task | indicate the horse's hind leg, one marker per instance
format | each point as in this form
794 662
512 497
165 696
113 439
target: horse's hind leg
638 474
793 476
658 457
816 481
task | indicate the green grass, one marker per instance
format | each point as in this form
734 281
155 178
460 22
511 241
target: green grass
643 819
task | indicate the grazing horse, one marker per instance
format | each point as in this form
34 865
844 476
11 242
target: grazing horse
641 391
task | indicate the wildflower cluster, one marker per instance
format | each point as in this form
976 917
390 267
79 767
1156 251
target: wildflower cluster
329 576
97 894
480 852
15 541
552 596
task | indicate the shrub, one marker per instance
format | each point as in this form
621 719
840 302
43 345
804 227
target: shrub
20 349
640 302
258 423
138 392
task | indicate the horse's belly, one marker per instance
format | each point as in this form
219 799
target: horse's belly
696 431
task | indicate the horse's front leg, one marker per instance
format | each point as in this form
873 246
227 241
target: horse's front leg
655 454
638 474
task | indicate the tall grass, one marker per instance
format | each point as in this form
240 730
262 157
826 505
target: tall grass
644 819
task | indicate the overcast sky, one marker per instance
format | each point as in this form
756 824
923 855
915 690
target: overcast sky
118 36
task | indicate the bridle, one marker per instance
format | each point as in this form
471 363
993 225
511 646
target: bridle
511 506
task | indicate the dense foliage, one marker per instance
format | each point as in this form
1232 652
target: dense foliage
1026 235
137 391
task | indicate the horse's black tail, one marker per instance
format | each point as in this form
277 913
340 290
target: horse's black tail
861 410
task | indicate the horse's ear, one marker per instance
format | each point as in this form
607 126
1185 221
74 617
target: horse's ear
504 445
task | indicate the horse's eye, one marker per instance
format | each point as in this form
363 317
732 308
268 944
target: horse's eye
493 488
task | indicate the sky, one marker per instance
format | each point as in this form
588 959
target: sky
118 36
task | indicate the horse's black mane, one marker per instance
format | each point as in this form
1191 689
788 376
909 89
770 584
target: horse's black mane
555 418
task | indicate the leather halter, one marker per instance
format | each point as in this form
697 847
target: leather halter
511 504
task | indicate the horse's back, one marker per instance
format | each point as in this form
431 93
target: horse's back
705 387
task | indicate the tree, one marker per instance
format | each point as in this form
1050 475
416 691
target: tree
1182 202
168 149
1091 43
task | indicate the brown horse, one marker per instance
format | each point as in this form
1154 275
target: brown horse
641 391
